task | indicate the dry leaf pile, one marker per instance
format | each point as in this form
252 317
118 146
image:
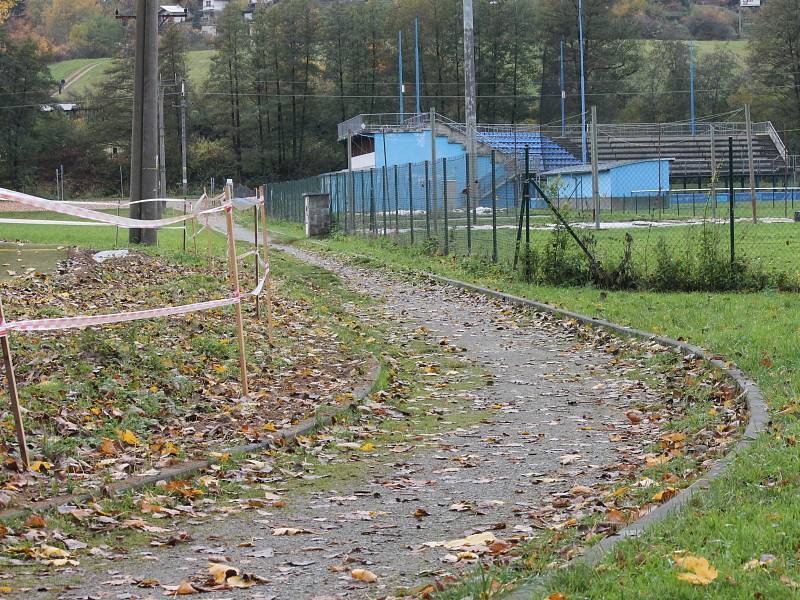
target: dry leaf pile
107 404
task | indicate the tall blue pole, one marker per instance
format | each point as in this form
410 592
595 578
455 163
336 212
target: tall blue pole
563 93
583 84
416 60
691 84
400 68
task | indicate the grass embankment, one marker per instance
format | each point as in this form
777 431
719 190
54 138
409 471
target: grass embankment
752 511
198 63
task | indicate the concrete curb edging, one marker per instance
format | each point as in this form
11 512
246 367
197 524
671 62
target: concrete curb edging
288 436
756 407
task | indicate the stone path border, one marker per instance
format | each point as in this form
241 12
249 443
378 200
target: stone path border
360 390
756 406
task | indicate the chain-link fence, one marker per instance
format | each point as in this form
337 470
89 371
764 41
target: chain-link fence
644 220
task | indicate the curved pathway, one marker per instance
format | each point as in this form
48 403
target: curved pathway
552 418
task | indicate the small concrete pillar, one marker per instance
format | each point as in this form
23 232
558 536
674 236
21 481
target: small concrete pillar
318 214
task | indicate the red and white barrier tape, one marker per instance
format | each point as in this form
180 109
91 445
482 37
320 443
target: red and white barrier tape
86 321
93 215
66 223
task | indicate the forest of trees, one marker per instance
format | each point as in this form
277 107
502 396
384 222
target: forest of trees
279 84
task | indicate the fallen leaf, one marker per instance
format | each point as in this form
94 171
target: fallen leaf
634 416
40 466
184 588
288 531
128 437
364 575
476 539
568 459
698 570
665 494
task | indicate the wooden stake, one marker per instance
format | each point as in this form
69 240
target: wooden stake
11 380
265 243
255 242
233 271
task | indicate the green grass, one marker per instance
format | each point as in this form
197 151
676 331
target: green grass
198 64
753 509
65 68
98 238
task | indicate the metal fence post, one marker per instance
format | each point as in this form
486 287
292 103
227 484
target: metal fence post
750 166
427 202
385 195
445 206
595 174
731 196
410 204
396 204
468 189
527 196
494 210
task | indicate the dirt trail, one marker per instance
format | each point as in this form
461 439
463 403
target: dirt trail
548 411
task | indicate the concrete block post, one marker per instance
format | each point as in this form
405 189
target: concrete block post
317 214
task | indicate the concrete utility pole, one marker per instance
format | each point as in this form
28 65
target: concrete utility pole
162 152
470 107
184 178
144 140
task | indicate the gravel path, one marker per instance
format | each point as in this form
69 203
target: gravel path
552 400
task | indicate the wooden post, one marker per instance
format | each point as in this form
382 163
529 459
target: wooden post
255 243
233 271
265 243
12 391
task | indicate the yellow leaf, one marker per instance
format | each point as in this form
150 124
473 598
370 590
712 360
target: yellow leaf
699 571
367 447
364 575
169 449
52 552
40 466
128 437
221 571
218 368
240 581
665 494
270 427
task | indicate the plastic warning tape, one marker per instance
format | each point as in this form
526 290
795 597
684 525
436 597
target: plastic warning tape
93 215
86 321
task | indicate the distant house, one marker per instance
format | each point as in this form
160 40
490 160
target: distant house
173 12
211 9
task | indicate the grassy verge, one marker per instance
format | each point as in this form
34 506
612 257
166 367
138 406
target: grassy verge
749 512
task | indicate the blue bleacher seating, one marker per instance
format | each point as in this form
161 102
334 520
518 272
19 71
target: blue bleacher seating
545 154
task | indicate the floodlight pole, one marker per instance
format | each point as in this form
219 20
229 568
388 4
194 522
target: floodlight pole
400 71
563 91
470 106
416 61
583 83
144 139
691 85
